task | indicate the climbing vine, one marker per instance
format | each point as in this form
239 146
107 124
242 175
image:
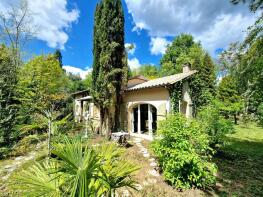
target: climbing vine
176 93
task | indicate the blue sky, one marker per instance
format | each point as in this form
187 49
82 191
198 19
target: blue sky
149 24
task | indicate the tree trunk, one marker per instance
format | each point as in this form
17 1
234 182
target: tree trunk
235 118
101 121
49 136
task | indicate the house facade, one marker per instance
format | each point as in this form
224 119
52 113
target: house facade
145 102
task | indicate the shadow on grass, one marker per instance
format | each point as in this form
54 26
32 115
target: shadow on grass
240 169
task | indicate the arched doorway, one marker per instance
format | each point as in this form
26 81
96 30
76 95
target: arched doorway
144 119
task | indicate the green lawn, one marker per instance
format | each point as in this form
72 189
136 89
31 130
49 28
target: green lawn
240 163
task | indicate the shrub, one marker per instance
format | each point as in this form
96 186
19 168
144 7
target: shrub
260 114
184 154
215 125
76 170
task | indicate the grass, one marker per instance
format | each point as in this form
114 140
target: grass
240 163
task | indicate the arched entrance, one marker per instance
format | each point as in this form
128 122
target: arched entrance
144 119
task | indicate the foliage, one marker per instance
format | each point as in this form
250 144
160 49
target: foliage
184 153
77 170
58 57
42 85
202 84
8 97
250 76
148 71
254 5
26 144
183 51
180 46
88 81
110 68
260 114
215 125
228 94
176 92
245 61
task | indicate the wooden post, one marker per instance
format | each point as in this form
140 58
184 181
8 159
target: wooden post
150 120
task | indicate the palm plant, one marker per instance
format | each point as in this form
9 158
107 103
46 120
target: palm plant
38 180
77 170
115 171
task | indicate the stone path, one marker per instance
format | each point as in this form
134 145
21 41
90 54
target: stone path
153 173
152 163
14 164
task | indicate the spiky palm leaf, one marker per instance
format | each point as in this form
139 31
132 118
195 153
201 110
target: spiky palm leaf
115 172
77 171
80 165
41 179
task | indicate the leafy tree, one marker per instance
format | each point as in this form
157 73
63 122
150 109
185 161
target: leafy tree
180 47
58 57
183 153
43 82
148 71
16 28
42 85
228 94
202 84
214 124
76 83
184 50
254 5
87 82
8 96
110 62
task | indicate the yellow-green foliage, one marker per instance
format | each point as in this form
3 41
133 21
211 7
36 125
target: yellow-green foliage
43 81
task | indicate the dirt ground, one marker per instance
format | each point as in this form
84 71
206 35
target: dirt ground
152 186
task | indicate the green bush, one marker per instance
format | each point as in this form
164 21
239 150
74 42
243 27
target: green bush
184 154
215 125
260 114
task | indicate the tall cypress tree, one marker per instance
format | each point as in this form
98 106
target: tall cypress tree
110 62
58 56
8 94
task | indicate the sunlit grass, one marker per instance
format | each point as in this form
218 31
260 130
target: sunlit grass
240 164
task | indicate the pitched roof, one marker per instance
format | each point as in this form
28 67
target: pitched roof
164 81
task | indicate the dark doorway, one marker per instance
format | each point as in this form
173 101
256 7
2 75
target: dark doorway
144 118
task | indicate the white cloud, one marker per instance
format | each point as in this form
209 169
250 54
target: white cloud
77 71
130 51
158 45
52 19
226 30
216 23
133 63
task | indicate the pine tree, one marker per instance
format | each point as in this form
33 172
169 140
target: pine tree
8 101
58 57
110 62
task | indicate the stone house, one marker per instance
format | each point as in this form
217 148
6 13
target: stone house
145 102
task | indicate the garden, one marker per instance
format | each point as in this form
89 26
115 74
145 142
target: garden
45 151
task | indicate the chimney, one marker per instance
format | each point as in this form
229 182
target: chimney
186 68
